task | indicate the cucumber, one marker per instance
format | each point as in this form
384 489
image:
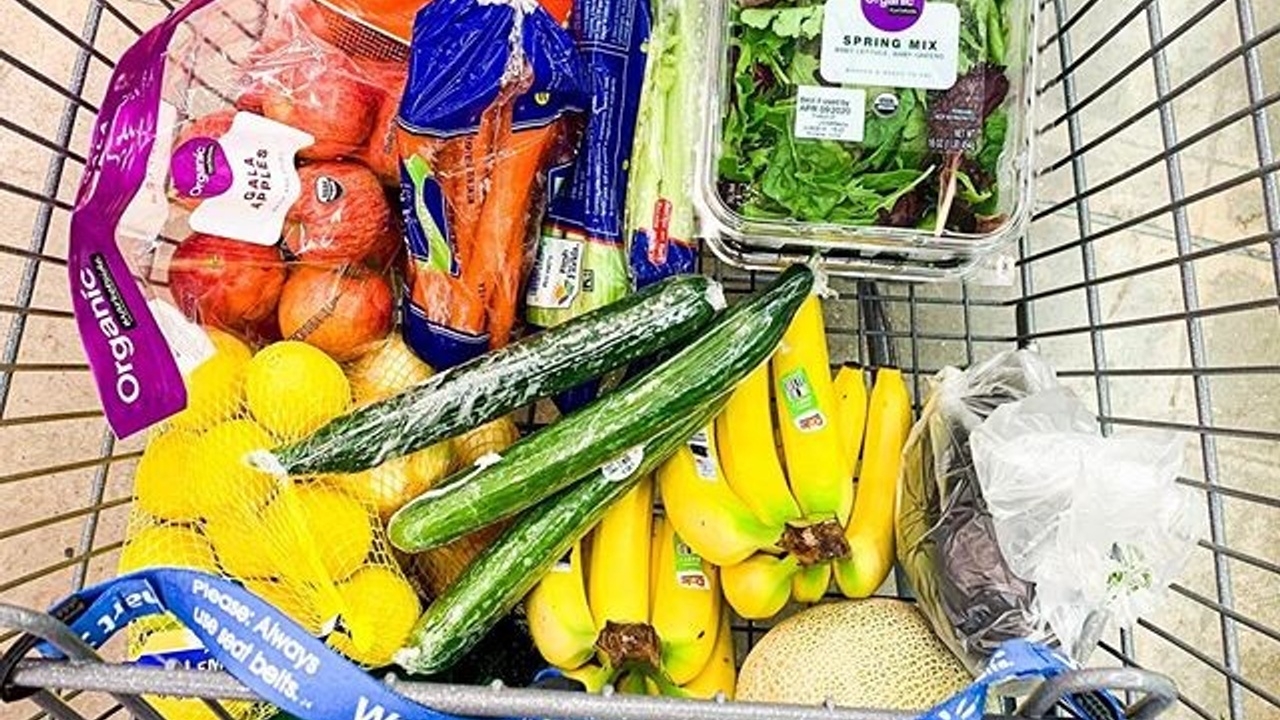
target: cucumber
509 568
615 426
471 394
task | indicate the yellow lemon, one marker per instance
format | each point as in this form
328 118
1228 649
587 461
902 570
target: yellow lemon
248 544
292 388
307 605
386 370
162 481
167 546
380 608
215 389
222 482
391 485
339 527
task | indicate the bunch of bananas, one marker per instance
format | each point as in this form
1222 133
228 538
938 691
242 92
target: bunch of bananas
781 528
632 605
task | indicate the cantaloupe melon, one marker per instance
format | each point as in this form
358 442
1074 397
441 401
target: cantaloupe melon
874 653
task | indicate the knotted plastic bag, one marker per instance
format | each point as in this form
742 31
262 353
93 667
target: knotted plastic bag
1098 524
945 540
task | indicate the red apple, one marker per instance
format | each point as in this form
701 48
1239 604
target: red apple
342 216
226 283
326 100
342 312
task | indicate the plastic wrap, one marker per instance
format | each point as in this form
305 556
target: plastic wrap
581 264
1018 519
231 187
488 119
1097 523
946 540
661 224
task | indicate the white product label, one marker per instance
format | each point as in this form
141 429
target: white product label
703 462
146 214
623 466
557 275
924 55
830 113
688 568
189 343
264 182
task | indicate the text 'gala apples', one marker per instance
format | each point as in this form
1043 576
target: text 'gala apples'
342 216
342 312
226 283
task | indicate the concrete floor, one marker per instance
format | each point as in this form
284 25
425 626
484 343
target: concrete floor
1185 639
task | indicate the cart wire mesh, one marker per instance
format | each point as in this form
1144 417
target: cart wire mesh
1150 278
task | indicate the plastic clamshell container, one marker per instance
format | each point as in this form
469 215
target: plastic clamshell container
785 138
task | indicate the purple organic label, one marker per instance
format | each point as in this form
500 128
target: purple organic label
892 15
200 168
137 377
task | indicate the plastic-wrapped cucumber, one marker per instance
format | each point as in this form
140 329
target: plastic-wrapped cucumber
514 563
612 429
468 395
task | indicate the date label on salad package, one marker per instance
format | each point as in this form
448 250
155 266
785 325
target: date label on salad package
830 113
893 43
244 181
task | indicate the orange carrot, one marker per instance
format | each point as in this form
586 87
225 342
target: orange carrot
446 300
504 223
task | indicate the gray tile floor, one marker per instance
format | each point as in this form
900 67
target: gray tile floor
47 497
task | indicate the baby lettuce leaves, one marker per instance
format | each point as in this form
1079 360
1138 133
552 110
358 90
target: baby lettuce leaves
891 177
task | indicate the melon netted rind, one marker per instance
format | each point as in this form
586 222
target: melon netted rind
874 653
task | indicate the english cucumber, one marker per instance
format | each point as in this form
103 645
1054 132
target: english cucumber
611 428
466 396
509 568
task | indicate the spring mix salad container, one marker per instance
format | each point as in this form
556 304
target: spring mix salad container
890 128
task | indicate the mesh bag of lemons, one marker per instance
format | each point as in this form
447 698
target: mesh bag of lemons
313 547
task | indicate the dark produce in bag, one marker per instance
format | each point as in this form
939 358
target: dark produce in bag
946 542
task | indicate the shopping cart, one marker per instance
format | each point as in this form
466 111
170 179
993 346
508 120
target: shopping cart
1150 278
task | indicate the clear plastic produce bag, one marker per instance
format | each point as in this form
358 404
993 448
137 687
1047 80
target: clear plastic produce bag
945 537
1097 523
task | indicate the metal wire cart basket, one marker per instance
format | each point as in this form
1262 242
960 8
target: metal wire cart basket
1150 277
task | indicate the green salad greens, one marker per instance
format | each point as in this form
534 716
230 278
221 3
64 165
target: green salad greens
932 153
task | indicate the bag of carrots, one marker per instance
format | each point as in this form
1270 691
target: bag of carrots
489 119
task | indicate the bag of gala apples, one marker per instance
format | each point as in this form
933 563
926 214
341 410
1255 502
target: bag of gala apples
243 181
234 260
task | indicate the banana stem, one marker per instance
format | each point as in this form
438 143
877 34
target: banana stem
816 543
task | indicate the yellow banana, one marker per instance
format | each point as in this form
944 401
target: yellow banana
686 604
870 531
592 676
851 414
705 511
748 456
810 583
758 587
618 571
805 408
560 620
718 675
